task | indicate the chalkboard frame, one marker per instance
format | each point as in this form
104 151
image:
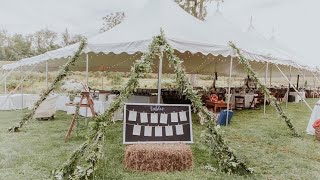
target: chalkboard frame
154 104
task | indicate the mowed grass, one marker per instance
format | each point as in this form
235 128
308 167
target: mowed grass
263 141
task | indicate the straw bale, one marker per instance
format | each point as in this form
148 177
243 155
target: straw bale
158 157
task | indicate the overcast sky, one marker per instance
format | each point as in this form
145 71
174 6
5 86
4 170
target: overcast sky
295 21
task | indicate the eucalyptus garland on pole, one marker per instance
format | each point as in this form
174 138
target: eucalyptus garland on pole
228 162
266 92
82 163
63 73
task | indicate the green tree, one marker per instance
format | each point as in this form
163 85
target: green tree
68 39
197 8
3 39
44 40
111 20
15 47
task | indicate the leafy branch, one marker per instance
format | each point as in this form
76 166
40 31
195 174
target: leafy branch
62 74
265 90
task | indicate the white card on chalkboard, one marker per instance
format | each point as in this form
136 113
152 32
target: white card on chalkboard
174 117
147 131
136 130
154 118
169 131
132 116
164 118
183 116
158 131
179 129
144 117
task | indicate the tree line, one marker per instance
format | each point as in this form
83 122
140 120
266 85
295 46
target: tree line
17 46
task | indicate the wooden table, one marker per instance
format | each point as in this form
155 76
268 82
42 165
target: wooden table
217 105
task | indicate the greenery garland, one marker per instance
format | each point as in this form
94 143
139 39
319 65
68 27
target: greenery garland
63 73
228 161
266 92
81 164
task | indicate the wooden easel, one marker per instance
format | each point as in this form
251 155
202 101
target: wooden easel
89 104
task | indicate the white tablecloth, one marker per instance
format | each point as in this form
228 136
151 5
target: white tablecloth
248 98
297 97
314 116
18 101
99 107
143 99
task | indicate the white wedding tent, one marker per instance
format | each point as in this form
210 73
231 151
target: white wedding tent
190 37
204 50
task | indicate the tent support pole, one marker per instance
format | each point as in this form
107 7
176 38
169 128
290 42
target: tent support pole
229 90
5 85
265 82
315 75
87 70
160 75
270 80
5 76
47 75
295 89
21 87
303 79
16 89
87 82
314 85
102 82
288 90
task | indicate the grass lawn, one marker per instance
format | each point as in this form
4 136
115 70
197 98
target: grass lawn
263 141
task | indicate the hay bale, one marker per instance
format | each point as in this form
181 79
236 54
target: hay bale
158 157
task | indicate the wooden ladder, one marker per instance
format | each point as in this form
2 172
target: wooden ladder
89 104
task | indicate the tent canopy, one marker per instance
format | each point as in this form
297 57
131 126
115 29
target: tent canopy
203 50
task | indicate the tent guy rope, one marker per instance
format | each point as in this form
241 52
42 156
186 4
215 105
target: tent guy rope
265 90
62 74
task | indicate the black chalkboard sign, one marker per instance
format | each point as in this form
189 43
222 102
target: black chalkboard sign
157 123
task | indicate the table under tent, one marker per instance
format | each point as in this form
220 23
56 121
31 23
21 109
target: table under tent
202 50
